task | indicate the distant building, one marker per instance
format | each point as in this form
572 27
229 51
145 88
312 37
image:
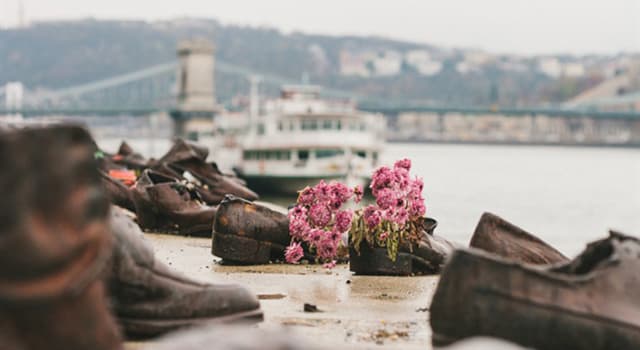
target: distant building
353 64
421 60
13 95
388 63
550 66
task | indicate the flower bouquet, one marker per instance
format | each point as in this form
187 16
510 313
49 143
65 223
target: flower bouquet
391 236
317 223
395 219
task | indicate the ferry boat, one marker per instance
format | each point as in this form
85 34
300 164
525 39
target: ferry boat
300 139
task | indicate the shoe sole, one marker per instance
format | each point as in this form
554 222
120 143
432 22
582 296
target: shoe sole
140 328
237 249
375 261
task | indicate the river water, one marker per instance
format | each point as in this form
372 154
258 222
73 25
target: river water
568 196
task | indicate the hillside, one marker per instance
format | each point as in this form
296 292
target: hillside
60 54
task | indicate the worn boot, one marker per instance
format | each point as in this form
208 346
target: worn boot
249 233
427 256
54 243
164 205
149 299
590 302
498 236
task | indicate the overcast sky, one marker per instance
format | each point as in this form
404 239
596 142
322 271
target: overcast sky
506 26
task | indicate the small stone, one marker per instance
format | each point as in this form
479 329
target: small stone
310 308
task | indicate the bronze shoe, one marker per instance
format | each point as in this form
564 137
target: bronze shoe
164 205
589 302
54 243
150 299
189 160
427 256
249 233
129 158
498 236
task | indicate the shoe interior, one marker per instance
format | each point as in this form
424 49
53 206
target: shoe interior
594 256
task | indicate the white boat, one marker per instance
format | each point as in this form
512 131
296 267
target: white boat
300 139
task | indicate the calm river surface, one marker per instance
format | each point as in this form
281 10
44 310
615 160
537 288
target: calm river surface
568 196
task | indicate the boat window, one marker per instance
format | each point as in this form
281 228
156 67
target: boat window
362 126
283 155
326 153
327 124
361 154
339 125
375 158
260 129
247 155
280 126
303 154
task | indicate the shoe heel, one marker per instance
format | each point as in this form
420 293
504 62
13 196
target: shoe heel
238 249
374 261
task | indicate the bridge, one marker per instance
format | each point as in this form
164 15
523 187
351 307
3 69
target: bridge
184 89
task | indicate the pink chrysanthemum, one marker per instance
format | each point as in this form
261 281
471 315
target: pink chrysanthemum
293 253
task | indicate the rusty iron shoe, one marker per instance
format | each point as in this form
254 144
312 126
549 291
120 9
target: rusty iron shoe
424 257
55 243
249 233
150 299
164 205
498 236
589 302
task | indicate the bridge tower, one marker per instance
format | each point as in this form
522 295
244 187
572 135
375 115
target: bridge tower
196 102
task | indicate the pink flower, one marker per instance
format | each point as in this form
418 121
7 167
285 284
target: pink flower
320 215
327 249
293 253
401 178
417 208
334 236
403 163
358 193
299 228
330 264
371 216
343 220
306 196
384 235
321 191
316 235
382 178
386 198
298 211
401 216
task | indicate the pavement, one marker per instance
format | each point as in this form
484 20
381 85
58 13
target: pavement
361 312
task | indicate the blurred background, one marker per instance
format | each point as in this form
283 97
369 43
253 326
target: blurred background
527 109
